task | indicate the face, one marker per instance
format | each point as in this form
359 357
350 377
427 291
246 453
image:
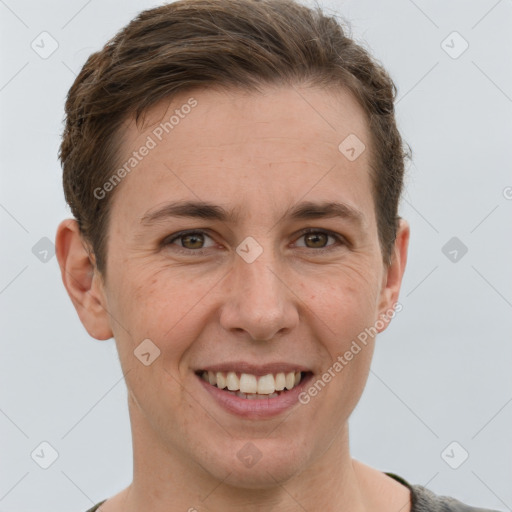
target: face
265 285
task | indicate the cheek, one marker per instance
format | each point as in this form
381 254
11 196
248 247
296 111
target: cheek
346 301
344 309
165 307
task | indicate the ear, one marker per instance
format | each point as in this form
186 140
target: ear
83 282
392 279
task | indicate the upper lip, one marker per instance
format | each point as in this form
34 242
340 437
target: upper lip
255 369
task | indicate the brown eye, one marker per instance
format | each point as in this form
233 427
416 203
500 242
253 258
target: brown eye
317 239
193 241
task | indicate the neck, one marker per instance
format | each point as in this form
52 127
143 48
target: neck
167 480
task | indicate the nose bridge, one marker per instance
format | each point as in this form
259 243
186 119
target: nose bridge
259 301
260 282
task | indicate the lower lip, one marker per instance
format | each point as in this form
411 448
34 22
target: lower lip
259 407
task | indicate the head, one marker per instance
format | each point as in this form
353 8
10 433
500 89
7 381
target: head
255 108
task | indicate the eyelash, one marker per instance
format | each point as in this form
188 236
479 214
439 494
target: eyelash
200 252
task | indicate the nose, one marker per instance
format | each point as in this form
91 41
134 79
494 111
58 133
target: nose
258 299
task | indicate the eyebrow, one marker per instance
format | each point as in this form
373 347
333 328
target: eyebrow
203 210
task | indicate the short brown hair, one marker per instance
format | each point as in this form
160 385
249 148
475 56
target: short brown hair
234 43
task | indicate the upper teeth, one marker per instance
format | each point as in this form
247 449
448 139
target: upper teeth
248 383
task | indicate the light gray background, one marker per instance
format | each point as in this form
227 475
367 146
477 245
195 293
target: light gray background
442 371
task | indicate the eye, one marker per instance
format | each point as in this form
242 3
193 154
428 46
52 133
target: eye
189 240
318 238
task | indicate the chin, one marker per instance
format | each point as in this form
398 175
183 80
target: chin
253 468
265 477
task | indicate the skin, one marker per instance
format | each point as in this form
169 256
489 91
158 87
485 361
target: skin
261 153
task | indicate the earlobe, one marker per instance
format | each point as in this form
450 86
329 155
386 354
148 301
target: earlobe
81 280
392 280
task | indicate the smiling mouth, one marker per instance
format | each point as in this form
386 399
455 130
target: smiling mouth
252 387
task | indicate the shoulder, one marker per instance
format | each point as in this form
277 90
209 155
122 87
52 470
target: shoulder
424 500
112 504
96 507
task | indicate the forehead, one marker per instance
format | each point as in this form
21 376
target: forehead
232 145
